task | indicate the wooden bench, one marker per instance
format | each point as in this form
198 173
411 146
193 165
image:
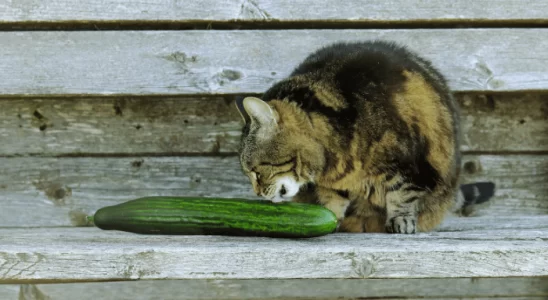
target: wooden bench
105 101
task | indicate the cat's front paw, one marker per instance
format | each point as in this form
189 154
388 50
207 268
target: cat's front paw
401 224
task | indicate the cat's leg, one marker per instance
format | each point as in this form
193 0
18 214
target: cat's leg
434 208
402 207
328 198
352 224
333 201
363 216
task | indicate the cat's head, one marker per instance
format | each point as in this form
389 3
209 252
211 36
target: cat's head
278 151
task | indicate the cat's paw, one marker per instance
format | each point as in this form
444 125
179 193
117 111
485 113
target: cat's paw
401 224
338 207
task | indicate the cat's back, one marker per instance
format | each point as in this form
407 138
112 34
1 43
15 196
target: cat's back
367 91
359 64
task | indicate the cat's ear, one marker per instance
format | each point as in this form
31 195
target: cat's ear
241 109
259 112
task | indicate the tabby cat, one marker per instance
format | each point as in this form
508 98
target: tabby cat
369 130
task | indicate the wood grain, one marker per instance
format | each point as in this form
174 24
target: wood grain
90 254
248 61
320 289
354 11
119 126
149 125
61 191
9 291
504 122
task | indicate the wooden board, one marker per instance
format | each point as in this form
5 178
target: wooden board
504 122
143 125
91 254
323 289
9 292
354 11
61 191
248 61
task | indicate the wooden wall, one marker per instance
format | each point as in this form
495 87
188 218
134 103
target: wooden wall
131 102
105 101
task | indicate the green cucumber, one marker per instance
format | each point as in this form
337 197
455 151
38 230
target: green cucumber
216 216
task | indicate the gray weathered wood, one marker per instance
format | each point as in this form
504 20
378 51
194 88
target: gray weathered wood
90 254
323 289
354 11
504 122
220 62
121 125
9 292
60 191
521 185
52 127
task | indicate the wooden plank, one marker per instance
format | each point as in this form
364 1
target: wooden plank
354 11
90 254
60 191
51 127
504 122
521 186
119 126
9 291
323 289
248 61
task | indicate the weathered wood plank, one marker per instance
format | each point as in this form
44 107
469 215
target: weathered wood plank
354 11
60 191
107 126
248 61
9 291
119 126
77 254
323 289
54 127
504 122
521 186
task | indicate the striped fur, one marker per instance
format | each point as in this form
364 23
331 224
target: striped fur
369 130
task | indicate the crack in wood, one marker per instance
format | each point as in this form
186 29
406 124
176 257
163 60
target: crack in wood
5 275
250 9
31 292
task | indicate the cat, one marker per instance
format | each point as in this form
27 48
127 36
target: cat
369 130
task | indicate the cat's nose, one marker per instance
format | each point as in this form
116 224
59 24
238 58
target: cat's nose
283 191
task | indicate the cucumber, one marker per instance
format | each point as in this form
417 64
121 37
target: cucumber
216 216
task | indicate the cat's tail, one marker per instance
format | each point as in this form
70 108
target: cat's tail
472 194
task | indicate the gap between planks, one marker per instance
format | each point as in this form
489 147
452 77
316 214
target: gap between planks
124 25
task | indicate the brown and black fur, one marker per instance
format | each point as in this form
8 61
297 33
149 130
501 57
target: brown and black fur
369 130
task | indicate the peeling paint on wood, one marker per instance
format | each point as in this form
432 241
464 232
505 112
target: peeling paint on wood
101 181
243 61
